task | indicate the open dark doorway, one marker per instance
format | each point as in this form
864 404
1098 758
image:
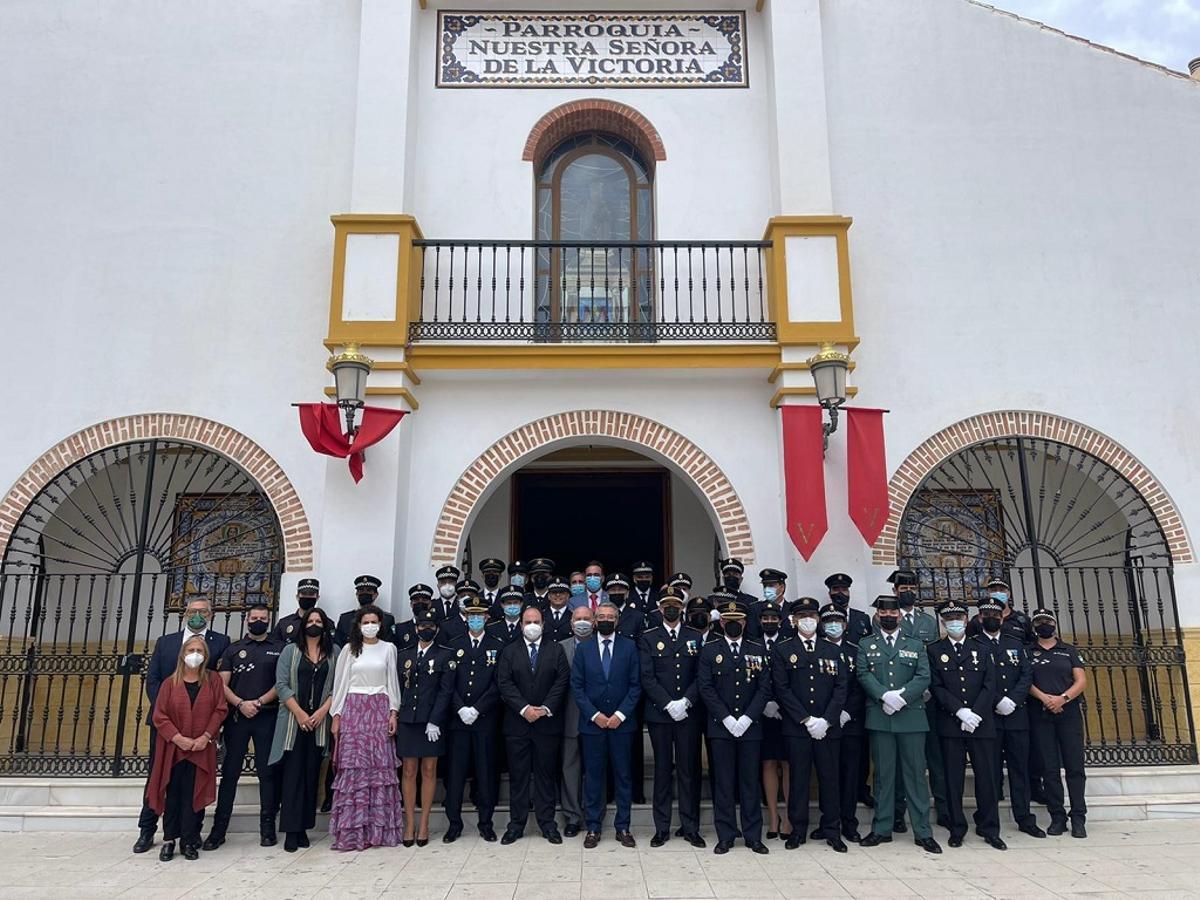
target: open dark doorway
573 516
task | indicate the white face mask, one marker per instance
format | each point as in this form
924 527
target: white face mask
194 659
806 625
446 590
532 631
370 629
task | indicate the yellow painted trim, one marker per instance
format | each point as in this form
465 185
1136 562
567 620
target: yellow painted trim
602 356
790 367
405 393
422 2
758 7
779 228
402 366
798 392
393 333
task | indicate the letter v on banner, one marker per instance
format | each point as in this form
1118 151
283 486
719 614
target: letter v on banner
804 477
866 472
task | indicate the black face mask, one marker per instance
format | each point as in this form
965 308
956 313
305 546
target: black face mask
671 613
540 581
306 603
698 620
257 627
491 579
906 599
364 599
770 629
426 634
841 600
991 623
1044 631
618 599
732 583
313 630
733 629
606 627
643 584
889 623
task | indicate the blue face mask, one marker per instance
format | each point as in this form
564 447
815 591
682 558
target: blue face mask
518 581
770 593
476 623
593 582
999 596
576 589
834 630
512 610
956 629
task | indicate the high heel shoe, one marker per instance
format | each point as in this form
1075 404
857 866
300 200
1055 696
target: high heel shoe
290 842
407 842
421 842
302 839
167 852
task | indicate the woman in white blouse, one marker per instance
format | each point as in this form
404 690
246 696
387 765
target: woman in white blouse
367 809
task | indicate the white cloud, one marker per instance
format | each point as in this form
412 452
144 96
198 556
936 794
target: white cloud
1183 11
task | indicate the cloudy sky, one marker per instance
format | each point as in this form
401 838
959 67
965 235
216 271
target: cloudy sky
1161 31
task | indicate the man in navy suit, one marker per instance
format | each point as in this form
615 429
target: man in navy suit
606 684
163 660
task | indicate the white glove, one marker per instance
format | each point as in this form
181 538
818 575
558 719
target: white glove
467 714
925 696
731 725
1005 707
771 710
817 728
744 723
714 616
432 732
677 709
894 699
968 727
844 718
889 710
967 717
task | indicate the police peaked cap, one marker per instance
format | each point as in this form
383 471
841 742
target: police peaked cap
308 586
805 605
770 608
616 579
952 608
772 576
516 566
998 583
719 596
541 564
989 605
558 583
420 590
1042 613
832 611
426 616
447 573
474 604
694 604
641 567
510 593
733 563
733 609
904 576
467 586
671 595
838 580
680 578
491 564
369 582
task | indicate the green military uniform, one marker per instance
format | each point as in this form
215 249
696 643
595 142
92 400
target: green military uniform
899 738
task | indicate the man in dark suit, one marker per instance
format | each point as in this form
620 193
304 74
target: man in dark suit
734 681
366 589
556 615
631 624
571 785
606 685
963 682
163 661
533 679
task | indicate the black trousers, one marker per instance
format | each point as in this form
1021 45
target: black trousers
329 769
1060 745
238 733
532 768
738 767
179 819
148 818
471 752
676 747
803 754
639 754
1014 748
299 773
982 751
850 780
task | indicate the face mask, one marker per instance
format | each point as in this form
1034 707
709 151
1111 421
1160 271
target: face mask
999 596
512 610
257 627
592 582
313 630
732 583
365 599
582 628
197 621
426 634
956 629
618 599
733 629
420 607
1044 631
698 620
577 589
446 590
491 579
606 627
770 629
306 603
807 625
770 593
532 631
476 623
671 613
991 623
889 623
840 599
907 599
643 584
834 630
518 581
194 659
540 581
370 629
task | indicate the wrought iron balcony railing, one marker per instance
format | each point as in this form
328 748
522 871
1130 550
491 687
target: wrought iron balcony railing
581 291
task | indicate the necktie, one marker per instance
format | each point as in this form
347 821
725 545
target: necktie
736 649
808 645
958 648
490 598
533 656
420 655
674 635
474 643
606 656
557 616
891 641
594 602
449 608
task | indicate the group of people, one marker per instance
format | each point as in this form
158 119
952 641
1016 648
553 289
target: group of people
556 680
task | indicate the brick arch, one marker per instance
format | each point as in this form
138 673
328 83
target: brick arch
1013 423
297 537
637 432
593 115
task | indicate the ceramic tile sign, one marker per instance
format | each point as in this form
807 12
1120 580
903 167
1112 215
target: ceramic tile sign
599 50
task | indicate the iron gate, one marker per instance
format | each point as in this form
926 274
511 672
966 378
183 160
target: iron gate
99 566
1070 533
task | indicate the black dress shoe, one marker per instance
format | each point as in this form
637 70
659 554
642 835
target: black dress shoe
874 840
570 830
852 836
452 834
167 853
794 841
190 852
488 833
1032 831
552 836
696 841
268 839
772 835
660 838
510 837
899 827
929 845
955 840
291 841
1078 830
590 840
757 847
1057 828
421 842
144 842
213 841
626 839
679 831
302 838
837 844
995 842
327 804
723 847
815 834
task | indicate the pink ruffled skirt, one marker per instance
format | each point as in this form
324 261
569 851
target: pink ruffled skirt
367 807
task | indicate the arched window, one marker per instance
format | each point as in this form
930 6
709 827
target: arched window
595 192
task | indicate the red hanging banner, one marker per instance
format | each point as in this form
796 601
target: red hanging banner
866 472
804 477
322 426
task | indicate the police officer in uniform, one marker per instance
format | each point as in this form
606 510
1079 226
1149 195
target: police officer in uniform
541 574
893 670
734 681
420 599
456 625
1013 623
645 594
248 669
517 572
774 748
810 683
1014 676
366 588
308 595
852 719
490 571
555 614
774 587
1059 680
963 683
508 628
732 574
670 657
857 626
446 603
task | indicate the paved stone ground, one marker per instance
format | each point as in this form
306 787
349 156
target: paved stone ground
1146 860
